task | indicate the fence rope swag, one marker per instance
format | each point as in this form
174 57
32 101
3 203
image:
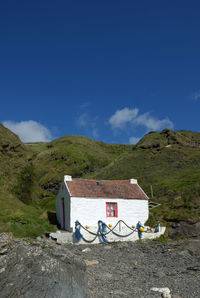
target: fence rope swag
101 231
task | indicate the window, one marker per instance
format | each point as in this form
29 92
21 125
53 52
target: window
111 209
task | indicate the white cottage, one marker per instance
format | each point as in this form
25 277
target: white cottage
89 201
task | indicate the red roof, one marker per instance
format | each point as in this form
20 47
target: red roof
105 189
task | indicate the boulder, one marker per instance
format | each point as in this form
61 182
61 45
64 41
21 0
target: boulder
39 270
184 229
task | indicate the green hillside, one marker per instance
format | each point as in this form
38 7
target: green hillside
75 155
18 213
31 174
169 162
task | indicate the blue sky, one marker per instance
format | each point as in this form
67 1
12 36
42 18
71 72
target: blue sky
109 70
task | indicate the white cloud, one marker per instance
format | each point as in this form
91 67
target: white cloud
121 118
152 123
134 140
29 131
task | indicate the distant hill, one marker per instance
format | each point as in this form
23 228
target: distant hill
31 174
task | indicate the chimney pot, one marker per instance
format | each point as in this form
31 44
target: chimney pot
133 181
67 178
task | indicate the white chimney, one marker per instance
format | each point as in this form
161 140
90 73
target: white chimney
67 178
133 181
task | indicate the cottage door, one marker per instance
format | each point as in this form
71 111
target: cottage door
63 213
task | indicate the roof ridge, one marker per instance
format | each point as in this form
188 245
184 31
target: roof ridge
123 180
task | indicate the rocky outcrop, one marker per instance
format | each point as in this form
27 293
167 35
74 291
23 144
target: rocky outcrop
169 137
9 142
184 229
39 270
51 186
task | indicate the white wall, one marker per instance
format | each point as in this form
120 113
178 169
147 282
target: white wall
89 210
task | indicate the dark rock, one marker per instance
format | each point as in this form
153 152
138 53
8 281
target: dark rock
52 187
184 229
193 248
28 270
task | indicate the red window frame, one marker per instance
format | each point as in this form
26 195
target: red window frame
111 209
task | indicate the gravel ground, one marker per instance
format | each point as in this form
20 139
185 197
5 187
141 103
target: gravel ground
131 269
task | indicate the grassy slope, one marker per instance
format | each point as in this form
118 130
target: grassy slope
23 219
31 174
171 164
74 155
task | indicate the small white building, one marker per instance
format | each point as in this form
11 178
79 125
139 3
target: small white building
89 200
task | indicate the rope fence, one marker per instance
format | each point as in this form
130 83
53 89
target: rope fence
101 231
